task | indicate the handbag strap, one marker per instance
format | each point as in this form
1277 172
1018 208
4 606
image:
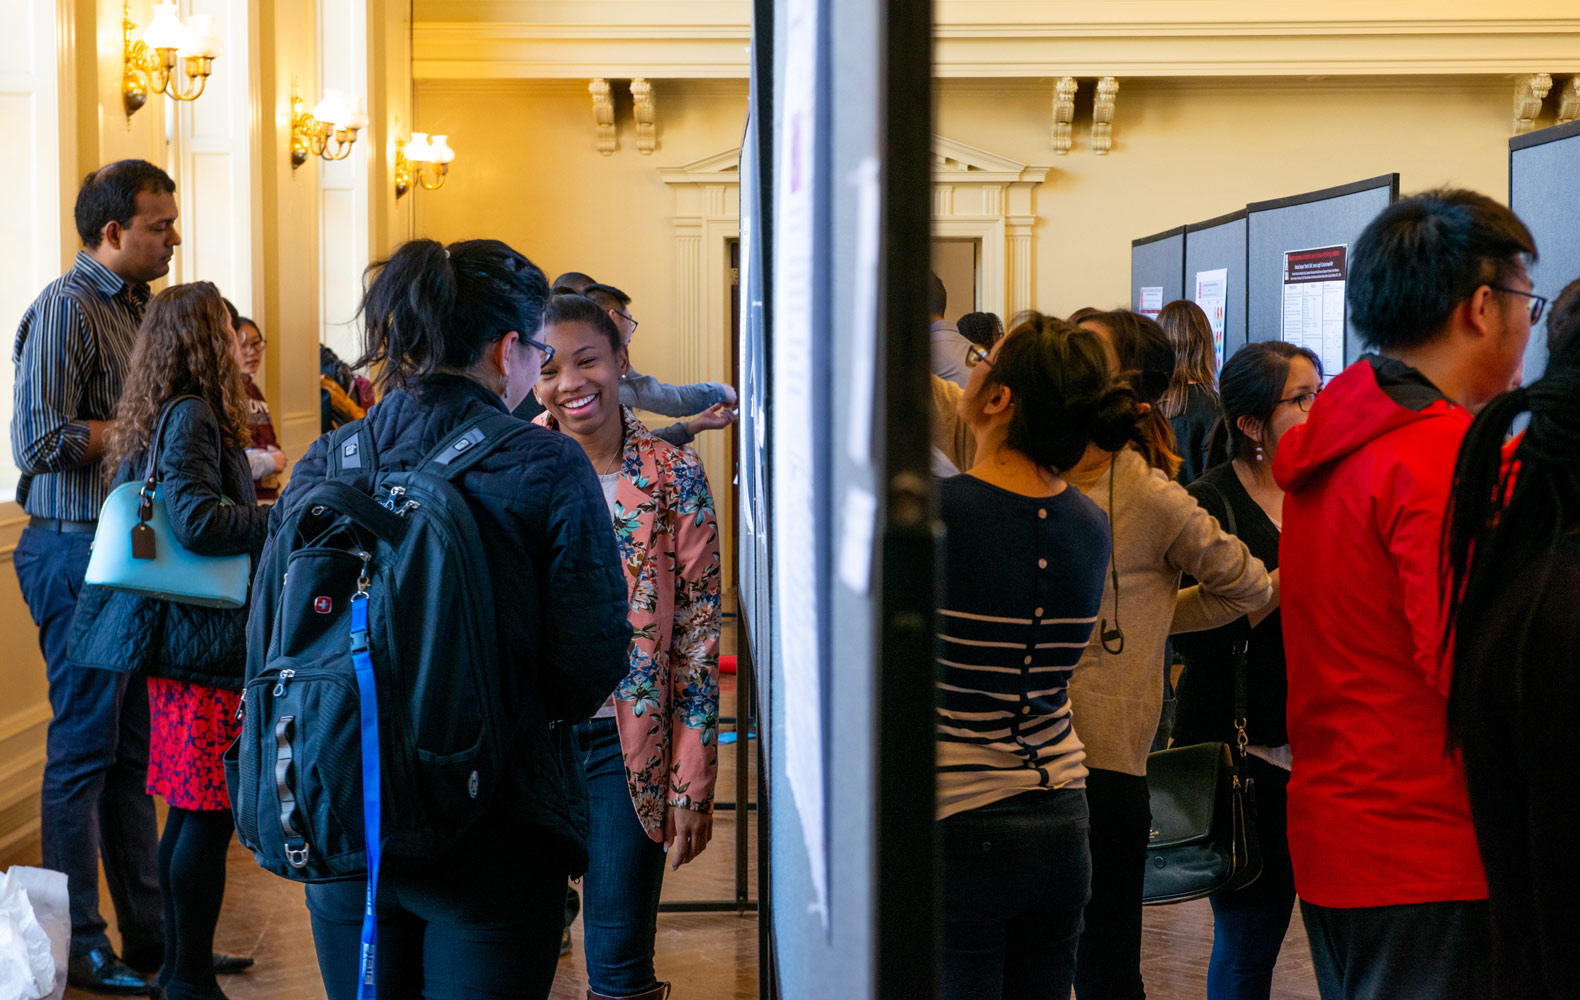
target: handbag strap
1237 653
145 506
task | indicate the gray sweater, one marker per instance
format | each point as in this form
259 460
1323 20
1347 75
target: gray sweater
1159 533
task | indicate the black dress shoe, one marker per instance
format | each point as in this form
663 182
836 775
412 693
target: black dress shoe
100 971
229 965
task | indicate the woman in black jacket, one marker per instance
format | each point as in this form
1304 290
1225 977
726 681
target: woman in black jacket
449 331
194 656
1267 388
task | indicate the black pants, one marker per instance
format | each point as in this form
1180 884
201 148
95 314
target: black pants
1108 959
192 884
1417 951
485 925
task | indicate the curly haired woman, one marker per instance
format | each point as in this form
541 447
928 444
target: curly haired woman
194 656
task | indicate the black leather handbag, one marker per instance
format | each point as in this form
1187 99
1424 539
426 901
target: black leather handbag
1203 838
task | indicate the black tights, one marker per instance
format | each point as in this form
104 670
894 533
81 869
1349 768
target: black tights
192 885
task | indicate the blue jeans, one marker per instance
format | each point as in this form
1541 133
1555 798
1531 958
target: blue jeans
486 925
625 873
95 801
1016 877
1415 951
1249 924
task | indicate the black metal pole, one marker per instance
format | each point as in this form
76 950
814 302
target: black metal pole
906 933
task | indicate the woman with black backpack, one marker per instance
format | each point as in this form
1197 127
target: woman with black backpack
449 329
194 656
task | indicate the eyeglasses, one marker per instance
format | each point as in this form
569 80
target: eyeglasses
976 356
253 345
628 319
1538 302
548 352
1303 401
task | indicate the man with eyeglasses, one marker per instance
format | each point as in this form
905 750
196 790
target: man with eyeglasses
1385 857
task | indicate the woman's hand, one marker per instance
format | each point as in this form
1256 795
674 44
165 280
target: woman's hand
686 834
713 418
279 459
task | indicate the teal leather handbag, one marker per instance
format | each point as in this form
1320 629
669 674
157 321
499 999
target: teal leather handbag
135 548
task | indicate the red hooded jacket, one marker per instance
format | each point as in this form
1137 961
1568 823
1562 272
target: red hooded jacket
1378 813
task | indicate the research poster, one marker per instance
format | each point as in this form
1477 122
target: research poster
1212 294
1314 303
1151 302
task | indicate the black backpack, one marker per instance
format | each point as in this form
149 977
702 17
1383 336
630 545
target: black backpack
398 557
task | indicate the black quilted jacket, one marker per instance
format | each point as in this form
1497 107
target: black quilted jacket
559 591
115 630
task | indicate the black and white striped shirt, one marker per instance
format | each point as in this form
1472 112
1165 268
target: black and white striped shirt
1023 579
71 353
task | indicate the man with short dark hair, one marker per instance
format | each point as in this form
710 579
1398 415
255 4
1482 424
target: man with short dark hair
948 346
71 353
1386 864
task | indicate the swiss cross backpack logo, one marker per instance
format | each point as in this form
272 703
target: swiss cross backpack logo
323 605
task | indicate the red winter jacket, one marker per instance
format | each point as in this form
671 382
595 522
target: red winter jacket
1378 813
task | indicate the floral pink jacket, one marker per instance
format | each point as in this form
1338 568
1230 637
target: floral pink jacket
667 707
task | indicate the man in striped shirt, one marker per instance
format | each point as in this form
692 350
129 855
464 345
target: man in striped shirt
71 353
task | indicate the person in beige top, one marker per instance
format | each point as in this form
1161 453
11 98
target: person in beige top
1116 694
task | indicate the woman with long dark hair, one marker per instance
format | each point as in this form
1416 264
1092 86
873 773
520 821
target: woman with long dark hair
450 331
194 656
1514 569
1267 387
1190 403
651 752
1025 564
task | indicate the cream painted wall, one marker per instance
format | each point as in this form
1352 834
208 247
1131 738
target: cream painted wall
1188 151
527 172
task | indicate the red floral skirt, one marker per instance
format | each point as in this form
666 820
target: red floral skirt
191 727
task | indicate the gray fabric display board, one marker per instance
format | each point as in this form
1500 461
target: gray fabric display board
1332 217
1544 191
1220 243
1158 261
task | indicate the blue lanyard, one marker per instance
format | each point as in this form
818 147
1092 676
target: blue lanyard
367 988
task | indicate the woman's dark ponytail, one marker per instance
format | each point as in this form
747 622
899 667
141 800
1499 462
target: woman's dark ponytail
432 308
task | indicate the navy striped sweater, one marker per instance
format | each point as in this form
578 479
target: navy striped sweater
1023 579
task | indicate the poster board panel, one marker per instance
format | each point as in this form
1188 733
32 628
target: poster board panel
1332 217
1157 262
1219 244
1543 167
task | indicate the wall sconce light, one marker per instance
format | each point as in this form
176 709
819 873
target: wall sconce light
329 130
150 64
411 157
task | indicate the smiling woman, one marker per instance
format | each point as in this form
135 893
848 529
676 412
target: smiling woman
650 753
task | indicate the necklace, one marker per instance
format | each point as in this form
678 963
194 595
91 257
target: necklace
619 453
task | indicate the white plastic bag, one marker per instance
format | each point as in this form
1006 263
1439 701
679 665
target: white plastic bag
35 934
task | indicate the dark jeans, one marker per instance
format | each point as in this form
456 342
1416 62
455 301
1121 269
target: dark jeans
1016 877
1417 951
95 803
1249 924
487 924
625 873
1108 962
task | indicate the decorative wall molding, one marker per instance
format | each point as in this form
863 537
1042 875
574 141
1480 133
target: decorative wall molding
654 39
1063 114
603 115
982 196
1569 101
1529 92
646 114
1103 115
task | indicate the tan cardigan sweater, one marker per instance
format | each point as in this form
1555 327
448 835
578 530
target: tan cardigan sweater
1159 533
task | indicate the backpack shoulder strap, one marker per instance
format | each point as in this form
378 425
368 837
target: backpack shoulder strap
352 453
470 443
1228 509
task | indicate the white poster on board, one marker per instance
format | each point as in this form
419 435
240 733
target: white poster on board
1212 294
796 570
1150 301
1314 303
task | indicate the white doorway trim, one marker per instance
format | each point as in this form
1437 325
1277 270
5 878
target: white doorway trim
992 199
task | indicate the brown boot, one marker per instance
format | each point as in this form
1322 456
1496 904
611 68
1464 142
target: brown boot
659 992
